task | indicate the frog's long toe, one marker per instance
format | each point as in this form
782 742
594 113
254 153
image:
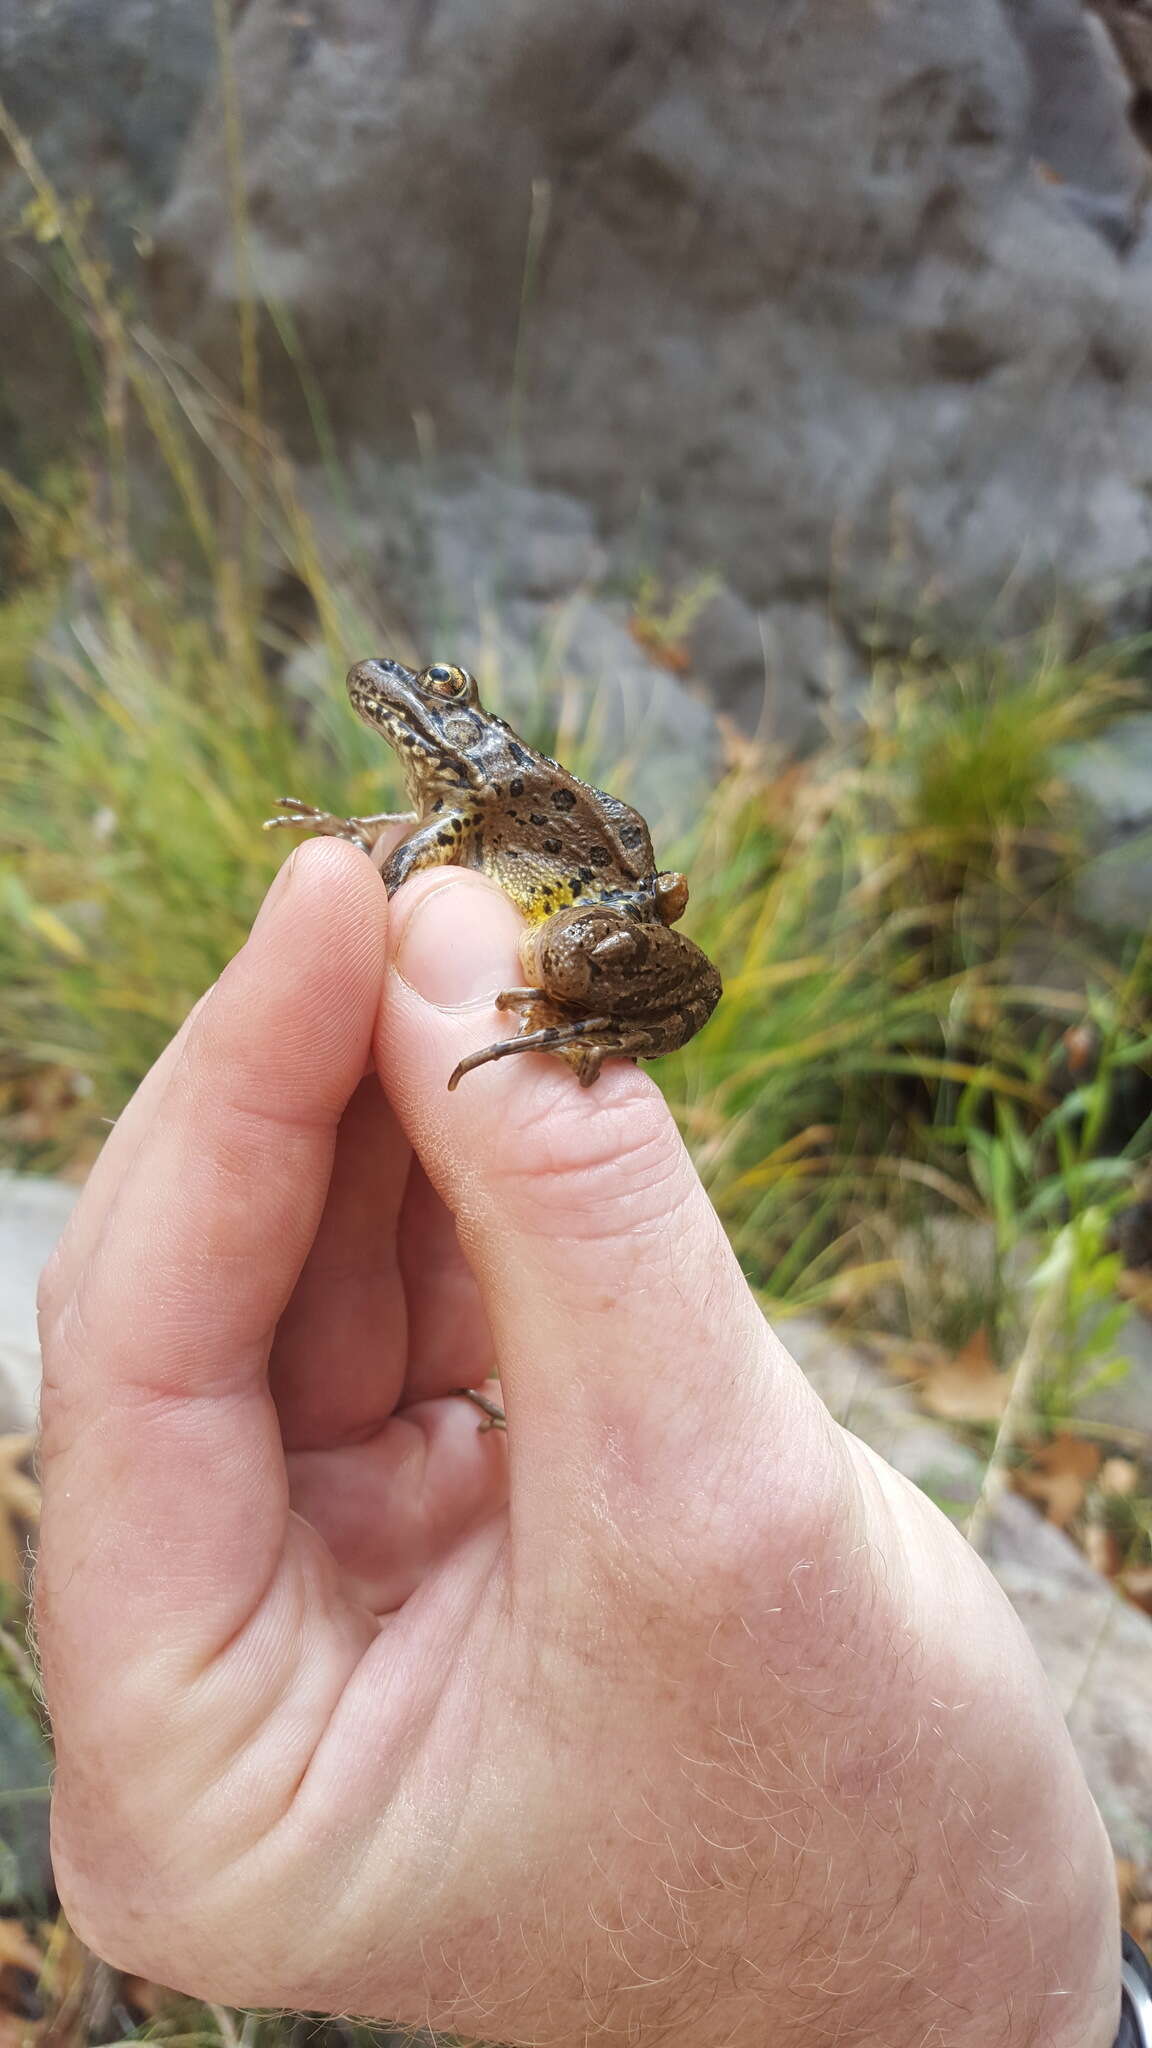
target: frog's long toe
302 817
553 1039
496 1418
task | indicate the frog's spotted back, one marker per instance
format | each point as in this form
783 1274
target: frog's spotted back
578 862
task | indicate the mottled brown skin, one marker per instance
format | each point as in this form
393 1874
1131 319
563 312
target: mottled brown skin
607 976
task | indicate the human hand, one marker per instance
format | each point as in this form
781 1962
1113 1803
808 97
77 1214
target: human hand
678 1713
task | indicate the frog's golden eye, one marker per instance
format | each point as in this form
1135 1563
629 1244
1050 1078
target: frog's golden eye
447 680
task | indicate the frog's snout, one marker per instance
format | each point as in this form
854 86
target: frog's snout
368 675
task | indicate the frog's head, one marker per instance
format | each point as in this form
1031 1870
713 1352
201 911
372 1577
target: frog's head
432 718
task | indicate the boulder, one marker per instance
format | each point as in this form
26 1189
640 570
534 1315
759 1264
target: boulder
105 96
835 303
1112 774
33 1213
845 309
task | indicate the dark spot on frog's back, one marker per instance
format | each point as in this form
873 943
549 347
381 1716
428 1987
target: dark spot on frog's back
519 753
552 847
516 786
630 835
599 856
564 800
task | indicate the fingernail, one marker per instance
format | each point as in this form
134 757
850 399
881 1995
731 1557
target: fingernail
277 888
458 945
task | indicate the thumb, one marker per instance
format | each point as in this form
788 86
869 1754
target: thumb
618 1311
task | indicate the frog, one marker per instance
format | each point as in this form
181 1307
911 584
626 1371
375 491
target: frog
606 976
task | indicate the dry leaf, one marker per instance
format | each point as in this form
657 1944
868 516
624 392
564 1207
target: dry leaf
669 654
1136 1286
966 1385
1057 1476
1138 1921
17 1947
141 1995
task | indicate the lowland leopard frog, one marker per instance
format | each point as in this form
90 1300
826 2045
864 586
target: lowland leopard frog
606 976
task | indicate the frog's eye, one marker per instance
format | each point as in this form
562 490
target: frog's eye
447 680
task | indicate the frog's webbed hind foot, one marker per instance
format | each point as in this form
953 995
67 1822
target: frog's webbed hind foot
362 832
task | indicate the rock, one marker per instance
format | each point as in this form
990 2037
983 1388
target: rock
26 1883
1095 1648
1113 774
852 313
1126 1403
1129 24
1097 1652
1078 123
492 538
105 95
32 1215
787 673
514 582
832 305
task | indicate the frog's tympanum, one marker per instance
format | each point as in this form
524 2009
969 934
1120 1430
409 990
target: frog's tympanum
606 976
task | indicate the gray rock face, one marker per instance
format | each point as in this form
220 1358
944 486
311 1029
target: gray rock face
1113 773
850 305
834 300
1078 128
105 94
32 1215
1097 1652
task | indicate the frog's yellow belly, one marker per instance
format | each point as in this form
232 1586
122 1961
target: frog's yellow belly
537 887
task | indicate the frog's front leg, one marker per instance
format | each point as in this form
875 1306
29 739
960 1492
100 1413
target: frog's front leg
439 843
362 832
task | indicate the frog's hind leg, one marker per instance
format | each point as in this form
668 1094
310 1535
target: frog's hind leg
553 1038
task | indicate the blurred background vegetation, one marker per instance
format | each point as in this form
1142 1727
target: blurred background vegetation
924 1107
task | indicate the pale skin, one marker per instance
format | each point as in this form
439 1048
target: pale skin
674 1716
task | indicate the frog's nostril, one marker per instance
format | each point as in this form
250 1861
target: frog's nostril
376 669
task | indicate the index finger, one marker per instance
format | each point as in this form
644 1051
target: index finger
165 1499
